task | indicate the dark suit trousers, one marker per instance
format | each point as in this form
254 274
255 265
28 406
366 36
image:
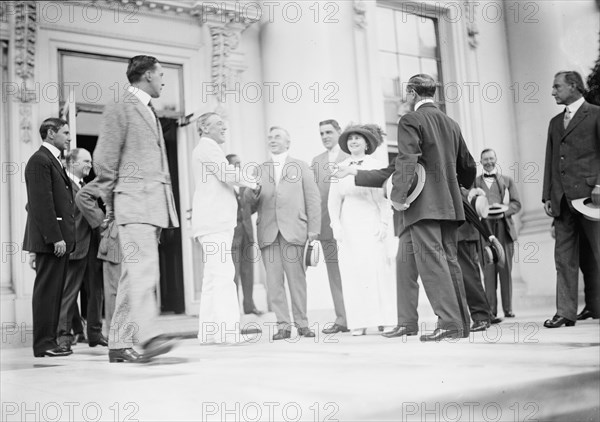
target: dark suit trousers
468 257
330 251
50 276
94 285
429 248
242 253
75 273
492 271
569 227
591 276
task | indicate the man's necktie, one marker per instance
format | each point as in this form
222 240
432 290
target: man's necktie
356 163
567 118
155 119
489 176
81 183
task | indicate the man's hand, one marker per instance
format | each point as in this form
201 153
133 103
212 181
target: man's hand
400 207
344 171
313 236
548 208
596 195
475 192
32 257
60 248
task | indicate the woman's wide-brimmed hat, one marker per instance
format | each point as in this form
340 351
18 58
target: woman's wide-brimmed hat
372 133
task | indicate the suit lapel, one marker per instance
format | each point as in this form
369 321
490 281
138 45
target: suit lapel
56 164
141 108
577 118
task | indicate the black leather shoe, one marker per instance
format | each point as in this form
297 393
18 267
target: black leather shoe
282 334
558 321
255 312
100 341
158 345
585 314
306 332
509 315
53 353
496 320
480 326
440 334
399 331
335 328
122 355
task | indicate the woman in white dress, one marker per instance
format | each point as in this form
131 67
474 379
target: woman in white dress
361 219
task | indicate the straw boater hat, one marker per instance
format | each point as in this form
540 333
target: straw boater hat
312 254
372 133
586 207
416 187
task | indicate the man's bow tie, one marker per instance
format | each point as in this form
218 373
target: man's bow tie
358 163
493 176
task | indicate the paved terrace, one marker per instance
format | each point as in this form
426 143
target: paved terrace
517 371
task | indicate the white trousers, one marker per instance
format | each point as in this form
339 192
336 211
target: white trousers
219 320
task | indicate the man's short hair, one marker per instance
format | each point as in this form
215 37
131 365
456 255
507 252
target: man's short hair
573 78
72 155
202 121
139 65
331 122
230 157
488 150
424 85
272 128
53 123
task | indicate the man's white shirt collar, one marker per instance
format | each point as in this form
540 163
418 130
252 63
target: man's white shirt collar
74 178
574 106
279 158
143 96
53 150
420 103
333 153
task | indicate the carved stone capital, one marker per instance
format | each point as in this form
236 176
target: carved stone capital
472 30
25 38
25 122
360 14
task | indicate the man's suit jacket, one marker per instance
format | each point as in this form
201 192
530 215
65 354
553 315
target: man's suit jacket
514 203
50 207
322 169
572 165
132 169
83 231
87 202
429 137
244 219
291 207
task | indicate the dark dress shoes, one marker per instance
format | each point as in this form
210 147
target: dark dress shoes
585 314
440 334
282 334
558 321
480 326
335 328
53 353
306 332
158 345
255 312
496 320
399 331
509 315
100 341
78 338
123 355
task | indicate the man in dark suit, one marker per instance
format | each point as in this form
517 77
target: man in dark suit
134 181
49 233
289 214
242 248
323 166
83 266
499 190
572 171
428 227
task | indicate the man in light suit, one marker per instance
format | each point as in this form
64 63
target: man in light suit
242 249
81 263
289 214
572 171
134 181
109 250
214 217
499 189
323 166
427 228
49 233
